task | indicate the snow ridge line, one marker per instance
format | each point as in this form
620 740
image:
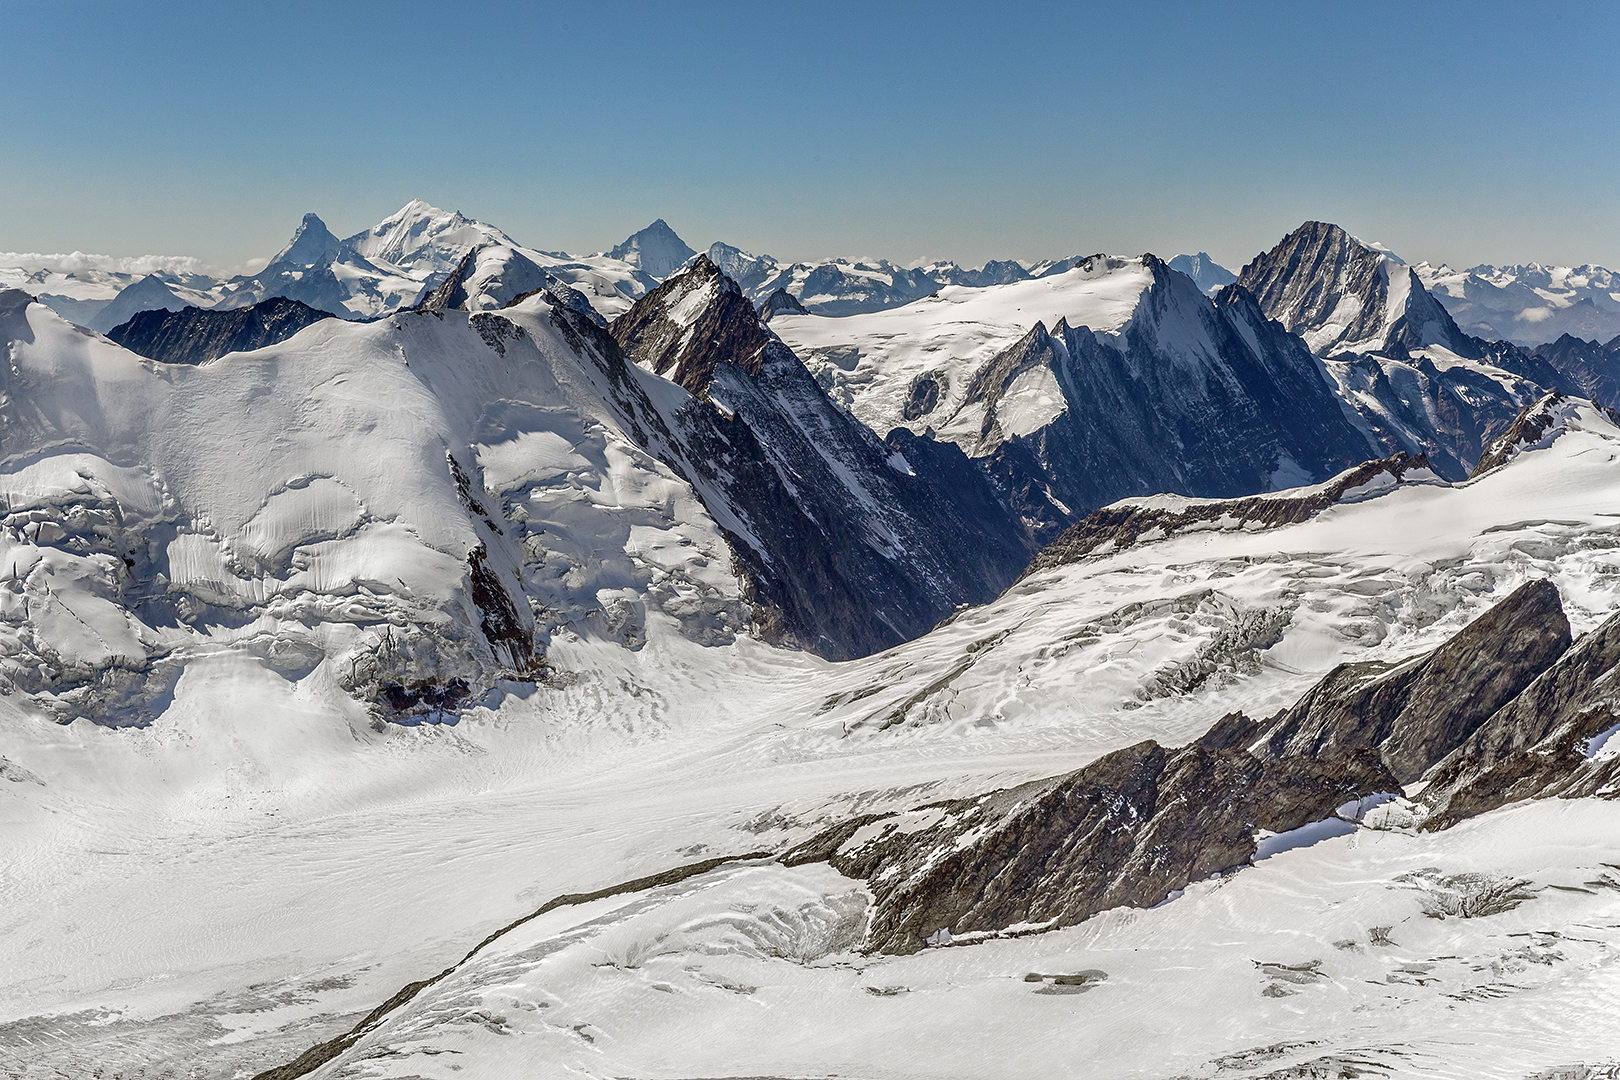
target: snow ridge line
321 1053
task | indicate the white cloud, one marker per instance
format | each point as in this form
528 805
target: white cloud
140 265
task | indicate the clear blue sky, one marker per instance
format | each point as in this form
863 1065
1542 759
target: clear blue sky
1457 132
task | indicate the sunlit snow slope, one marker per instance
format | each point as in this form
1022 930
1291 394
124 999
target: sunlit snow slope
228 559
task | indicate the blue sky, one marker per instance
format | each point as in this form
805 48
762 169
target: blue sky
1456 132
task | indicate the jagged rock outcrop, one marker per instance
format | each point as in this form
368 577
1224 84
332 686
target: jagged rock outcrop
1341 295
691 323
1416 712
1417 382
1547 741
1115 527
1128 829
781 302
847 546
1137 824
194 336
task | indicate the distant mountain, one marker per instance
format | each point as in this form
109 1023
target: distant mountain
1418 382
1208 274
1341 295
148 294
311 240
194 336
840 287
494 276
655 249
1530 303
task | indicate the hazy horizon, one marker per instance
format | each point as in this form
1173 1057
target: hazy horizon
914 132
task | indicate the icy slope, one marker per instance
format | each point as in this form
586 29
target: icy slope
1358 949
258 869
331 503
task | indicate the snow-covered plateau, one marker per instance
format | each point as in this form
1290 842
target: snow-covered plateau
422 696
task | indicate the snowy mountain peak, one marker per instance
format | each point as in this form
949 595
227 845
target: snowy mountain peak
1209 274
309 242
1343 296
696 319
655 249
150 293
423 238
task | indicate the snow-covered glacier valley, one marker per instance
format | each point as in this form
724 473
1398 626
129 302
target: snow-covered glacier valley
409 698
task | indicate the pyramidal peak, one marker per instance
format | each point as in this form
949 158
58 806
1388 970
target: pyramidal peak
309 242
656 250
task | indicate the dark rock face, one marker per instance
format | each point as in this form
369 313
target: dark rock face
1128 829
1537 745
1115 527
1196 397
846 545
1367 316
1305 281
691 323
781 302
195 336
1142 822
1586 368
1416 712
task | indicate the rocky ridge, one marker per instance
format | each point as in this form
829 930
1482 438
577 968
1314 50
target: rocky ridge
848 545
195 336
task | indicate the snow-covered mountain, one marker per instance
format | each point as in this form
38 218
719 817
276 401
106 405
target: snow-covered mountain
849 544
1418 383
839 287
1142 384
479 689
1208 274
677 847
655 250
400 262
1528 304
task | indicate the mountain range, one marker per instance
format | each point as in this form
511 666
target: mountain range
432 655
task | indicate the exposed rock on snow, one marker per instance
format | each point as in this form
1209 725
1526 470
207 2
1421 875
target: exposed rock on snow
780 302
194 336
1116 527
848 547
1127 830
1417 711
